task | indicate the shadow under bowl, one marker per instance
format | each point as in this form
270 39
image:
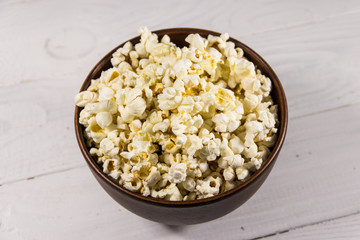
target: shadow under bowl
196 211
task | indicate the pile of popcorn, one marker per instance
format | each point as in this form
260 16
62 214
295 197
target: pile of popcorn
179 123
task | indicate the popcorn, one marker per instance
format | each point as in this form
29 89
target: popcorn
236 161
133 109
184 123
104 106
242 173
229 174
211 149
253 127
135 125
104 119
189 184
192 144
106 145
106 93
85 97
181 139
250 84
196 41
131 95
227 122
134 184
251 101
191 105
109 75
190 196
208 187
224 98
229 185
178 172
179 123
169 146
181 67
242 72
203 166
162 126
256 162
153 177
236 145
169 99
173 193
84 117
111 167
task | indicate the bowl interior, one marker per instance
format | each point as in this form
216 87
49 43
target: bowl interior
177 36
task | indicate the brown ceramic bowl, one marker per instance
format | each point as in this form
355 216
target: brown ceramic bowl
196 211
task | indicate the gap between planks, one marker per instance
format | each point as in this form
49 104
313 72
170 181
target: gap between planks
305 225
325 111
43 174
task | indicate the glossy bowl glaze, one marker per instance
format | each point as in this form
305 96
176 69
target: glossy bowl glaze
196 211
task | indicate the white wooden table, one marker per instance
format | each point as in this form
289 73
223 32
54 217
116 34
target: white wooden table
48 47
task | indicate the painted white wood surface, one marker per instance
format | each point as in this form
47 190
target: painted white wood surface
308 185
342 228
48 47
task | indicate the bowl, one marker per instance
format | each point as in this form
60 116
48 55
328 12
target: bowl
196 211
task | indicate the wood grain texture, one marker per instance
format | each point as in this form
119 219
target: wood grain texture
316 63
48 51
346 228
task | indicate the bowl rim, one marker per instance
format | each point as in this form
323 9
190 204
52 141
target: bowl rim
283 119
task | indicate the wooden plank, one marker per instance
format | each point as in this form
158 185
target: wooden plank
316 178
36 130
315 62
342 228
305 57
57 45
